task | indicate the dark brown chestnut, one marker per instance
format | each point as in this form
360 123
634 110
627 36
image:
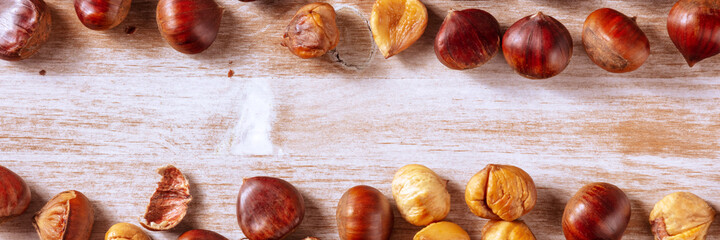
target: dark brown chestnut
14 194
25 27
467 39
189 26
102 14
269 208
364 213
614 41
201 234
537 46
693 26
597 211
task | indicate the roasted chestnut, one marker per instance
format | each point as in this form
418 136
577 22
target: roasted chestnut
25 27
467 39
312 31
614 41
201 234
597 211
364 213
269 208
693 26
537 46
189 26
14 194
67 216
102 14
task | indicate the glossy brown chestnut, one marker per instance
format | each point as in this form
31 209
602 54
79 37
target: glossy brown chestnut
269 208
364 213
67 216
201 234
25 27
597 211
14 194
694 28
102 14
467 39
614 41
537 46
189 26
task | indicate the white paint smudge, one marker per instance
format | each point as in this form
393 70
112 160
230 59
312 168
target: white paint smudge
251 135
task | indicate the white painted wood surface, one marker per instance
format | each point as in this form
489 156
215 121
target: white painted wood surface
113 107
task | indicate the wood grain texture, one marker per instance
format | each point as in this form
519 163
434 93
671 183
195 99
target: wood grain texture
113 107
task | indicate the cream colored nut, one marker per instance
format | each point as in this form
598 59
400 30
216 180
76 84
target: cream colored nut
126 231
504 230
501 192
681 216
442 231
420 195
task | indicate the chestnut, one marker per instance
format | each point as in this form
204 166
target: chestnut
364 213
201 234
169 204
693 26
467 39
189 26
597 211
14 194
67 216
26 26
537 46
102 14
312 31
269 208
614 41
126 231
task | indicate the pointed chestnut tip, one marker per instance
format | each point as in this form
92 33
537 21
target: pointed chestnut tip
691 61
634 18
539 14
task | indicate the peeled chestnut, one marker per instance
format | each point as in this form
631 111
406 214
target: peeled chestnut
201 234
312 31
614 41
467 39
693 26
102 14
67 216
597 211
269 208
25 27
537 46
14 194
364 213
189 26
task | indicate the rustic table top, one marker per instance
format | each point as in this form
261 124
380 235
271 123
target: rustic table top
112 107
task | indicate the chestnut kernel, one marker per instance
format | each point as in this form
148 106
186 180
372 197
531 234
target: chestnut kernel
364 213
693 26
126 231
596 211
501 192
189 26
681 215
420 195
537 46
102 14
201 234
397 24
442 231
14 194
169 204
26 26
614 41
269 208
504 230
467 39
68 216
312 31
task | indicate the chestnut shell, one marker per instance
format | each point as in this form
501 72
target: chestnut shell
102 14
269 208
597 211
364 213
614 41
201 234
189 26
14 194
537 46
467 39
694 28
26 26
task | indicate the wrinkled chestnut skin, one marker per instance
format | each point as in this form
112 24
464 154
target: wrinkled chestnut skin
189 26
26 26
694 28
537 46
102 14
126 231
14 194
201 234
597 211
364 213
269 208
501 192
467 39
614 41
312 31
681 215
67 216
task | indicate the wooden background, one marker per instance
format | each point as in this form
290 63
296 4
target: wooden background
113 107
